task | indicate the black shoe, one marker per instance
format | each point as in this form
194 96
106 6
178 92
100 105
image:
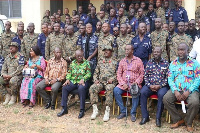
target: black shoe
81 114
144 120
63 111
52 107
158 122
133 118
121 115
48 105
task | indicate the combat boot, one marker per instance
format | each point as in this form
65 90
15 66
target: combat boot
95 112
107 114
12 100
7 99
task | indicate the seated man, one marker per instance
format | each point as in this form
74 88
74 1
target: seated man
77 78
11 74
155 78
104 77
54 76
183 79
133 67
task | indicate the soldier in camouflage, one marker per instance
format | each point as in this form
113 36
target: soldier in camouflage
104 77
181 37
98 31
46 18
102 17
53 40
11 74
121 18
29 41
121 41
159 38
197 14
160 12
6 38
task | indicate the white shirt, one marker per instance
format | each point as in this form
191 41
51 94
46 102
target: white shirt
195 52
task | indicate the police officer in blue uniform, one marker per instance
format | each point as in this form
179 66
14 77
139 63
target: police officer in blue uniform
143 18
82 15
42 39
142 44
133 21
19 37
113 21
151 15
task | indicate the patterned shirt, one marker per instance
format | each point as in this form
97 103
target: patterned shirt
156 73
56 69
79 71
179 15
184 76
135 69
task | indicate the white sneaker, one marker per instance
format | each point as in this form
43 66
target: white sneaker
107 113
95 112
12 100
7 99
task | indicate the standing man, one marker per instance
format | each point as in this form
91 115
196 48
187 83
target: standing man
46 18
112 20
58 20
54 76
167 11
152 16
155 78
142 44
6 38
104 77
19 37
54 40
133 21
191 31
144 19
160 12
98 31
102 17
159 38
82 15
42 39
121 17
129 66
29 40
77 78
66 12
183 79
11 74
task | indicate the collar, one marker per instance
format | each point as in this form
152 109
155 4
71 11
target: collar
161 60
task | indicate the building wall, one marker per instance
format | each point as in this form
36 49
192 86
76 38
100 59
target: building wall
97 4
71 4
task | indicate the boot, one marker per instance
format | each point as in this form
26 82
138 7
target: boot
95 112
7 99
107 113
12 100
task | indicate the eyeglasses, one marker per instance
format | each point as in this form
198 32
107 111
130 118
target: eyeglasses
115 30
191 24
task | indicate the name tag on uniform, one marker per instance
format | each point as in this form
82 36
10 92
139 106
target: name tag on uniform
21 60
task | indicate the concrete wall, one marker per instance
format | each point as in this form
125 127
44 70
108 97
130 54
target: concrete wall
71 4
97 4
190 6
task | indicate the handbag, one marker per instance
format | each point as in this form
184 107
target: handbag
28 72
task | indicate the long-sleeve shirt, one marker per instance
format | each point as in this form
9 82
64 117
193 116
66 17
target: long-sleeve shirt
156 73
56 69
41 43
77 71
135 69
184 76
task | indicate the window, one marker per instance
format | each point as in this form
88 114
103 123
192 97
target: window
10 8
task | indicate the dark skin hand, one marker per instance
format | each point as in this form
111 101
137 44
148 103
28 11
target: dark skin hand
185 95
178 95
6 77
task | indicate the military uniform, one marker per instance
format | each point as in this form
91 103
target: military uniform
160 39
52 42
103 20
28 42
160 12
105 70
46 19
98 34
122 20
77 34
13 66
197 14
5 40
104 41
169 42
121 43
70 47
176 41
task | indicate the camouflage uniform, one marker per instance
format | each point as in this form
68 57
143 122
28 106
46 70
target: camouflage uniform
104 41
77 34
122 20
103 20
98 34
105 70
160 39
46 20
197 14
62 18
52 42
160 12
70 47
28 42
176 41
5 40
121 44
169 42
13 66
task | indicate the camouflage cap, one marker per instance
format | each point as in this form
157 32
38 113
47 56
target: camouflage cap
14 44
108 47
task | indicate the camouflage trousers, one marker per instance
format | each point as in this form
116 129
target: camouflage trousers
96 88
11 87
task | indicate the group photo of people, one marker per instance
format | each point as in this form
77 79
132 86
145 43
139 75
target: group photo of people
147 50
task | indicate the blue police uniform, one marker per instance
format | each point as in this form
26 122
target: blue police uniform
83 16
113 23
144 20
92 21
152 16
134 24
62 25
142 49
179 15
167 14
41 43
17 39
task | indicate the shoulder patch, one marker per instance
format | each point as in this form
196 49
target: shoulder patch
21 60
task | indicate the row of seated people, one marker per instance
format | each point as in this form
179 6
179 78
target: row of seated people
182 76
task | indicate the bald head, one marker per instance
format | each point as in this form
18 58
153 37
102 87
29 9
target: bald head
79 56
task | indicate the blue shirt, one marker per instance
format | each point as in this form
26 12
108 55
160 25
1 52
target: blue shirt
113 23
179 15
62 25
17 39
1 62
152 16
183 77
41 43
167 14
142 49
134 24
83 16
92 21
144 20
